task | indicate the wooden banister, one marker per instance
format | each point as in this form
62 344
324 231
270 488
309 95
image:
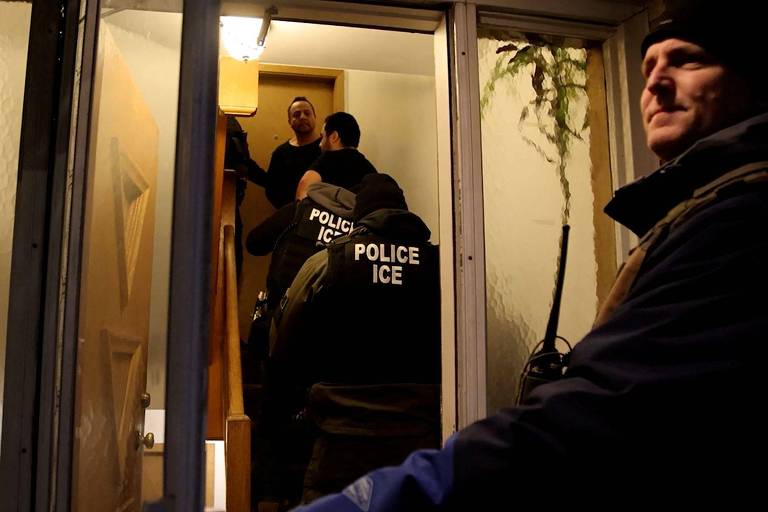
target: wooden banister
233 364
237 441
226 413
216 410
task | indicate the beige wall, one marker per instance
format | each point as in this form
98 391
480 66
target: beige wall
153 59
397 118
14 35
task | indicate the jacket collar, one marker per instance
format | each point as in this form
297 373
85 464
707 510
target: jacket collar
641 204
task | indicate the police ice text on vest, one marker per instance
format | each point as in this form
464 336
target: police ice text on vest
332 226
388 260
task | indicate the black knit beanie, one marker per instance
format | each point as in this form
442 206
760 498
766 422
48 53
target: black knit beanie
732 32
378 191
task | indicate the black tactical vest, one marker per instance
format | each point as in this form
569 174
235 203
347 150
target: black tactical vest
313 227
378 312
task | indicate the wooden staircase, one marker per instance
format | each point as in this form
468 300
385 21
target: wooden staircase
227 420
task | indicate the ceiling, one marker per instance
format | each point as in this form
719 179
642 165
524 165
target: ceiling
308 44
345 47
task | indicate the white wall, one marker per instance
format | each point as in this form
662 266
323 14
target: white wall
153 58
14 36
396 113
397 118
523 206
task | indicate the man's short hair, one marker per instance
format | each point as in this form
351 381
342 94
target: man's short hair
300 98
346 126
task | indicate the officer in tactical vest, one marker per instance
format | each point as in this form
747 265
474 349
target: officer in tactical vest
296 232
292 234
359 327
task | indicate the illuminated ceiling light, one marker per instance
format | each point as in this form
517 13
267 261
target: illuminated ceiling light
240 37
244 38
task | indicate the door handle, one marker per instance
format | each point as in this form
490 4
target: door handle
146 399
148 441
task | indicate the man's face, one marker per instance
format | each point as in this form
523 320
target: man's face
688 95
301 117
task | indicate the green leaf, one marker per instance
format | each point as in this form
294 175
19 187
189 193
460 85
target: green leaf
506 48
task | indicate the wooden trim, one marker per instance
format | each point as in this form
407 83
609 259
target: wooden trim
234 381
238 463
300 71
215 417
605 239
336 76
238 425
339 93
216 376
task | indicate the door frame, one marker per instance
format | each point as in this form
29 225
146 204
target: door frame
336 76
30 447
36 460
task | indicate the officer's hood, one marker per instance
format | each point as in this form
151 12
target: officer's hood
336 199
640 205
400 225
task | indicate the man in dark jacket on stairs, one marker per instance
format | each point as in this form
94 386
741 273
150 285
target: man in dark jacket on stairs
360 329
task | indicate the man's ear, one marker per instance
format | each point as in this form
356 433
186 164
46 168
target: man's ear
334 137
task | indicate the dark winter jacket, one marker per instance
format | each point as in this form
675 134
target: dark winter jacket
360 324
662 403
336 325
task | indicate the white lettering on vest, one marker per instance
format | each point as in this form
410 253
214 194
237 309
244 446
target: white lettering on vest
359 250
386 274
413 255
383 253
388 253
327 235
402 254
372 252
331 226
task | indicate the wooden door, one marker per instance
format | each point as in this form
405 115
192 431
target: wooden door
115 290
266 130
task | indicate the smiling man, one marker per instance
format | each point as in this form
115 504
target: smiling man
661 404
691 91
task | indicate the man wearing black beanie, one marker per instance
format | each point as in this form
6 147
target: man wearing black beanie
661 404
359 328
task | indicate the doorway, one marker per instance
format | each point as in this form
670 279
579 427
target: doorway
123 207
399 104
